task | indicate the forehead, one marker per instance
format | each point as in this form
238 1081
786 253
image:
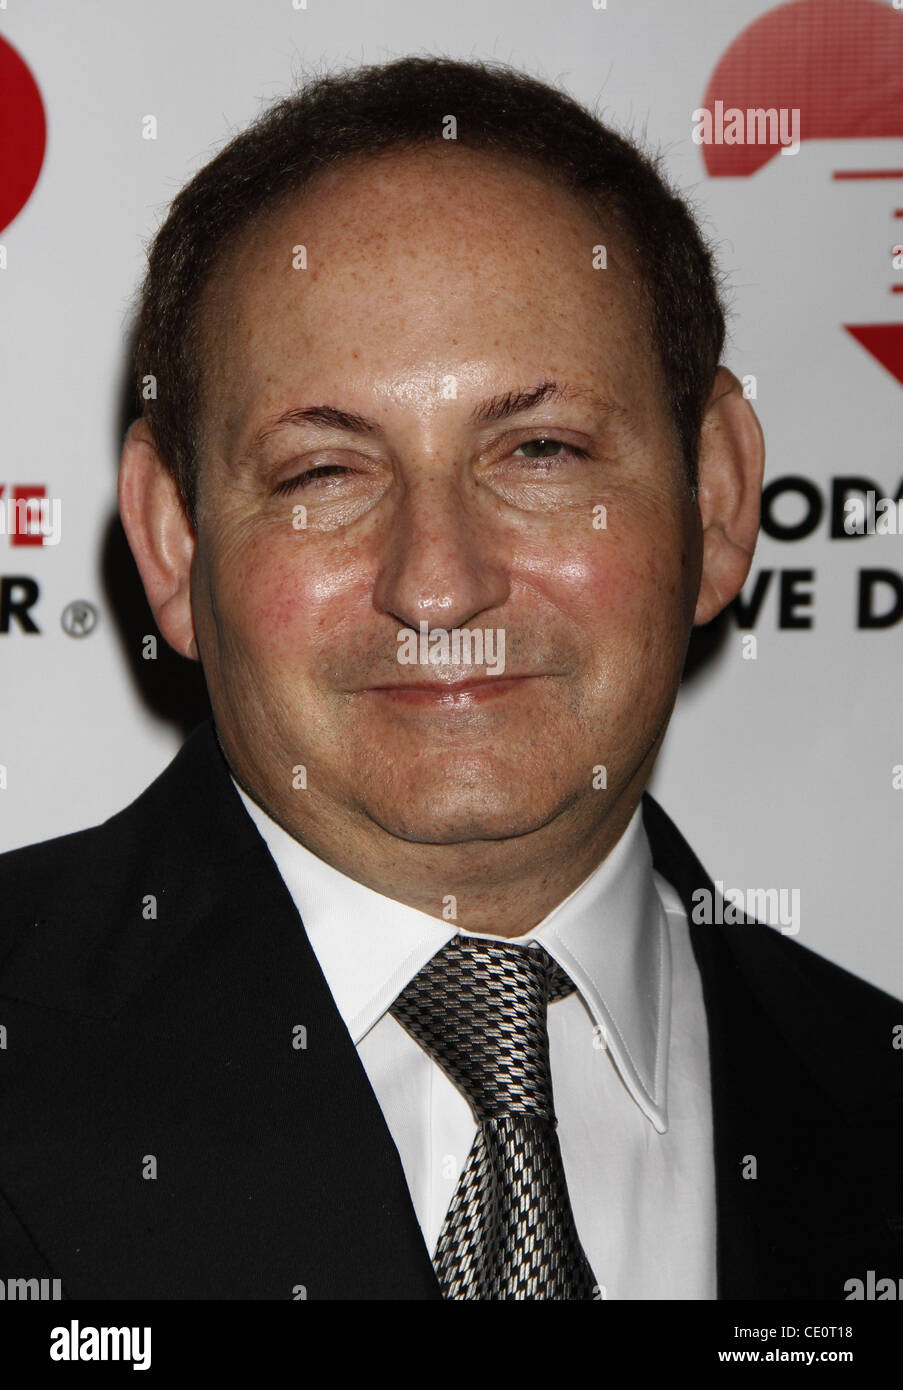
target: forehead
443 260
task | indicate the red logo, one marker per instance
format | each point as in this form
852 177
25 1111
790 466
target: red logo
23 133
840 63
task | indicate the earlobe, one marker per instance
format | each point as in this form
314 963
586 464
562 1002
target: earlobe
160 535
731 467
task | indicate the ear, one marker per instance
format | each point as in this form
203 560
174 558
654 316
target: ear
160 534
731 466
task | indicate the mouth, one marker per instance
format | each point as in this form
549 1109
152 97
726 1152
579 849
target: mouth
470 691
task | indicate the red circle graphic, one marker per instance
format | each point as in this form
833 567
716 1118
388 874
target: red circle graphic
23 133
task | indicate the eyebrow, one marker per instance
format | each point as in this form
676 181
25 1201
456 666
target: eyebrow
514 402
495 408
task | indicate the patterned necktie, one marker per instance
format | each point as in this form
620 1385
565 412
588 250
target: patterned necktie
479 1009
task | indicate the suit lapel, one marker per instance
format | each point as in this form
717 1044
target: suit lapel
315 1172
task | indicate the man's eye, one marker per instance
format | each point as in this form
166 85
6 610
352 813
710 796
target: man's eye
323 470
558 450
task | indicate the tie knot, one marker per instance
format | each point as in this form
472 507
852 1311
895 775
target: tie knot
479 1009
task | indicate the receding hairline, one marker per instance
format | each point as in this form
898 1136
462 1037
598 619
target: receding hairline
597 207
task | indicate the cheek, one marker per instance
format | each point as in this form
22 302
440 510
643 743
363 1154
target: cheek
290 600
629 581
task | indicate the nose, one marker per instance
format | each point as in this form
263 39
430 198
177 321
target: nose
442 562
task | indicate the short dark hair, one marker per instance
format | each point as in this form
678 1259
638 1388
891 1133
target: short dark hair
401 105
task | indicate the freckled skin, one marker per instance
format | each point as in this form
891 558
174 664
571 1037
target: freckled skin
425 268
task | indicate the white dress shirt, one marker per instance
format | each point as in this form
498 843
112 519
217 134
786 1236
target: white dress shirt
628 1052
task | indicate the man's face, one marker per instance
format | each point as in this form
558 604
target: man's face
439 287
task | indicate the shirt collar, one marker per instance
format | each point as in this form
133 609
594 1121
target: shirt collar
610 935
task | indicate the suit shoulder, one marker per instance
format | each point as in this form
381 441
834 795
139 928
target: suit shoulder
833 982
843 1027
56 898
39 882
68 898
54 870
35 868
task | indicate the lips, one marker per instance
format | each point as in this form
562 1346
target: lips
471 690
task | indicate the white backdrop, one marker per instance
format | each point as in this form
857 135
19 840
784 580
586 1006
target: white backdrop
779 770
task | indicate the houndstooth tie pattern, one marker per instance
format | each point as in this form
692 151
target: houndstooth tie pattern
479 1009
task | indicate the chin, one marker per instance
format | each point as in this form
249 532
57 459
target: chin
439 820
448 831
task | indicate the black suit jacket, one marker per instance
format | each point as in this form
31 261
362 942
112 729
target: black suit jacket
162 1136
